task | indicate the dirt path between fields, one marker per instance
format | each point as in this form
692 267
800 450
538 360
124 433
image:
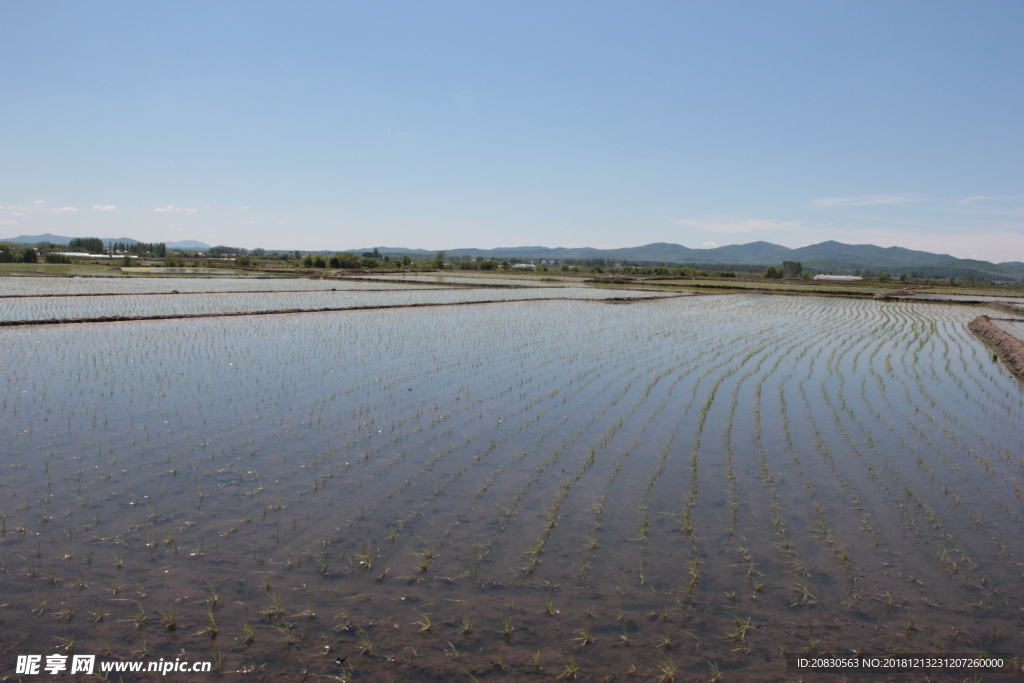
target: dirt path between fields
1009 348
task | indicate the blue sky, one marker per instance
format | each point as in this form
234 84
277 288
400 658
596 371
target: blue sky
440 125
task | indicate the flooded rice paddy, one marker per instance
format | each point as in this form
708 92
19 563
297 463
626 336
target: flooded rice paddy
676 489
523 280
52 286
1012 327
196 303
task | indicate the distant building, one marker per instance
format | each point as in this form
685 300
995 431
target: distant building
524 265
838 277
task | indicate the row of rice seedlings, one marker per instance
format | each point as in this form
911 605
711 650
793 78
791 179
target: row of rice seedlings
586 557
896 476
508 509
990 467
584 463
400 525
689 500
976 518
450 527
659 467
600 444
823 530
920 502
493 443
800 593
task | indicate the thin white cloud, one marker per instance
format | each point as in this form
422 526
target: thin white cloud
730 224
989 198
38 207
8 222
993 205
709 245
172 208
867 200
104 207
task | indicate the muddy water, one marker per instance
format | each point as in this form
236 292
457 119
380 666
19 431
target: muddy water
429 494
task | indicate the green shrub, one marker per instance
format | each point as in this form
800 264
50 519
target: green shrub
344 259
54 257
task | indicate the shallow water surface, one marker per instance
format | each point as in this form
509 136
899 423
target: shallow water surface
506 492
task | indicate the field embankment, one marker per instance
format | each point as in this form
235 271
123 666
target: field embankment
1009 348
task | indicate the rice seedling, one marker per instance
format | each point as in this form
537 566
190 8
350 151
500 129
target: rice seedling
170 619
425 623
506 626
68 612
213 599
276 609
571 670
666 671
286 631
67 643
211 625
365 644
738 632
140 619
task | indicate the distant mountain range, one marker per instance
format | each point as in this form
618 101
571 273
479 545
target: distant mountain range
831 256
827 256
190 245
